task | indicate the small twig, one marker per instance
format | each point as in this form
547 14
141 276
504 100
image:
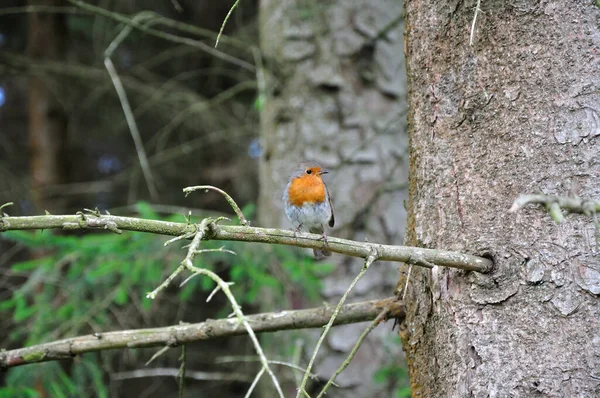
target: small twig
347 361
216 290
177 6
555 212
407 280
254 383
229 199
181 373
219 250
373 256
224 286
180 237
158 353
298 346
225 21
5 205
271 361
474 21
555 203
152 295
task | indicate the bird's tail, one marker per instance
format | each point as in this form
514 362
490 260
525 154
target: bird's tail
321 254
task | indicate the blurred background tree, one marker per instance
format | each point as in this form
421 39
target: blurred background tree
327 83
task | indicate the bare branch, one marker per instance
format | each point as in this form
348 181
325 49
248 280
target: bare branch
253 234
373 256
182 334
163 35
202 230
382 316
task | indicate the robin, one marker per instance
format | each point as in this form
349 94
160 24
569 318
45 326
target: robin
307 202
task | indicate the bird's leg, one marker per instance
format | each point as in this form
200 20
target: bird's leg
325 243
296 230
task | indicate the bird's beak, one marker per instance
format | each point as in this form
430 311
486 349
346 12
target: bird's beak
323 172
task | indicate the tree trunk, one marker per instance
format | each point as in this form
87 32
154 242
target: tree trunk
337 96
517 112
47 119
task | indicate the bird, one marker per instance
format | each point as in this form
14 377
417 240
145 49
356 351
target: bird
307 202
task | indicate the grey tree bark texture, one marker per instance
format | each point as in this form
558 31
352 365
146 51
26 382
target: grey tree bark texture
517 112
337 95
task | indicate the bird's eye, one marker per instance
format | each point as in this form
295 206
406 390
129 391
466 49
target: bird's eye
308 171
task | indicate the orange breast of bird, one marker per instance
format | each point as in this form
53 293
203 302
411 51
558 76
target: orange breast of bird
306 189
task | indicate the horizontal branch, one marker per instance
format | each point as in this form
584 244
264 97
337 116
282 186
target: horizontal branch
181 334
94 220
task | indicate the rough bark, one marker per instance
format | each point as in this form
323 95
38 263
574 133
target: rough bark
47 119
517 112
337 96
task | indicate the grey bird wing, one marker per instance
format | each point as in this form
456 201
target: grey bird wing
331 219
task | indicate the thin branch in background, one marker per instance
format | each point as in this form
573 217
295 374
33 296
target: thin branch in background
477 9
181 373
41 9
228 198
225 21
175 372
298 348
133 129
261 81
203 106
271 361
164 35
368 261
177 6
382 316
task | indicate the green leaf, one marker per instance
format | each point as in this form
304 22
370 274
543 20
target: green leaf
103 269
23 311
35 263
259 103
67 382
7 304
57 391
12 392
249 210
146 211
122 296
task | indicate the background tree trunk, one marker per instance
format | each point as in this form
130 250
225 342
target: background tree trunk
517 112
47 35
337 96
